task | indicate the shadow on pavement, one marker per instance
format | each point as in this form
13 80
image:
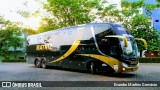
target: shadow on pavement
108 74
119 75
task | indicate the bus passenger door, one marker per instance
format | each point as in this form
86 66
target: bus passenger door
75 61
65 62
115 50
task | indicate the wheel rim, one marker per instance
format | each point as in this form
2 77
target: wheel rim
91 68
43 64
37 63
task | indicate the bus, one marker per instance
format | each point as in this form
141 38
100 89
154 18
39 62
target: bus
93 47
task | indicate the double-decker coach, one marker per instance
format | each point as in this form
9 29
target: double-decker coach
92 47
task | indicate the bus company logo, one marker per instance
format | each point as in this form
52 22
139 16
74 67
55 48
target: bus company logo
44 47
6 84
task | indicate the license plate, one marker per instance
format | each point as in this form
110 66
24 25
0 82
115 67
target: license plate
133 62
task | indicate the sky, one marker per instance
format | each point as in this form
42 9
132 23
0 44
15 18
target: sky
9 8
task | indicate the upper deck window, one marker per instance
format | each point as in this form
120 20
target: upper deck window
120 30
102 30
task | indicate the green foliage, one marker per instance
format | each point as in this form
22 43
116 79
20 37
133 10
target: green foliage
48 24
158 1
63 13
29 31
14 60
112 14
25 14
8 37
149 60
141 28
108 12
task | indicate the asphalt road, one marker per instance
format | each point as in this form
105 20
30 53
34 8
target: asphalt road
28 72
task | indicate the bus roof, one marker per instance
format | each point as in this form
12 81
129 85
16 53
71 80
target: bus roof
82 25
91 24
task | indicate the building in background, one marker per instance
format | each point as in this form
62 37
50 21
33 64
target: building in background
155 16
18 53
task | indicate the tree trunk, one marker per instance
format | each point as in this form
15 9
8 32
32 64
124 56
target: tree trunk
141 52
15 54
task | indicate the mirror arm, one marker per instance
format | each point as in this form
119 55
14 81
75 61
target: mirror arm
143 40
122 37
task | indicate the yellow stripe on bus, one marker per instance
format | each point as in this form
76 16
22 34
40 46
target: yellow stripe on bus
72 49
108 60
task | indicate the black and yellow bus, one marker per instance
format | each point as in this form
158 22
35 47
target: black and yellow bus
92 47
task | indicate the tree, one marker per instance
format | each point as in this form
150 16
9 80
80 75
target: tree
142 29
73 12
63 13
158 1
8 37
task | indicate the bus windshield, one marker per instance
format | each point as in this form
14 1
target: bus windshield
131 50
114 47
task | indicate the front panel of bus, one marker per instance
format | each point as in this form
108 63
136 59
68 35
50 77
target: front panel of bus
127 56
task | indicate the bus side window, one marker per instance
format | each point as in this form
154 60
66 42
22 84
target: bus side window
113 51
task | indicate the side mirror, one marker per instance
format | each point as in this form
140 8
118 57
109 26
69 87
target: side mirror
143 40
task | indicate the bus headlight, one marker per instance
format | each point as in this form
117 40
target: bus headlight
124 65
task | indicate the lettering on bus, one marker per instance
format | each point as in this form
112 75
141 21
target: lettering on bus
44 47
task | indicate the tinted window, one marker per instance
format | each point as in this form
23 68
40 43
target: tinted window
102 30
119 29
108 46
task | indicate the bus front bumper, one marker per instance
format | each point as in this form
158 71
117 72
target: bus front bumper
126 68
122 67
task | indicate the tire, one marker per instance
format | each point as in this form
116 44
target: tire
92 68
38 63
44 63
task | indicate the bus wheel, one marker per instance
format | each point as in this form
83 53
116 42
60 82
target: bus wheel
38 63
44 64
92 68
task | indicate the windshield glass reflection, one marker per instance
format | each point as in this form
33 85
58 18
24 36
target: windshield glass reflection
131 50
